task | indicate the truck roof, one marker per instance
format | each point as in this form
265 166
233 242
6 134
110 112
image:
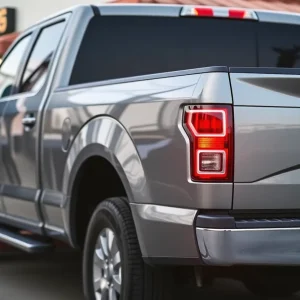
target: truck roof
177 10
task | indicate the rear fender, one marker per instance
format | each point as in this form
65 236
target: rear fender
103 136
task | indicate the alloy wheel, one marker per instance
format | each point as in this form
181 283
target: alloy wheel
107 269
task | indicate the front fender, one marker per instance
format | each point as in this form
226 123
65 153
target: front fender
106 137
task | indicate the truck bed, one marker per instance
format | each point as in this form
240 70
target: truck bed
267 145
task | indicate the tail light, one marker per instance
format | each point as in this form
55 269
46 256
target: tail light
211 136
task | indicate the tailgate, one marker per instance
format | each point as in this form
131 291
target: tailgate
267 138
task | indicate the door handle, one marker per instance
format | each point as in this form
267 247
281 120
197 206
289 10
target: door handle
29 121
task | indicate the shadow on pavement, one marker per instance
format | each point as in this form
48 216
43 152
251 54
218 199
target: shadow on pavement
57 276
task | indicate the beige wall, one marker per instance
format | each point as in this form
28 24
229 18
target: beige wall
31 11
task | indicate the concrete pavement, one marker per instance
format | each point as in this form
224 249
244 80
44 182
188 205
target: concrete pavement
57 276
44 277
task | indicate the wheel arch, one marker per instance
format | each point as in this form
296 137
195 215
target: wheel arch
105 138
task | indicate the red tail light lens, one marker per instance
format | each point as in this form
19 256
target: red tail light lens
211 135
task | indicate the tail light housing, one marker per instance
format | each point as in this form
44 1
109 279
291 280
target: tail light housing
210 129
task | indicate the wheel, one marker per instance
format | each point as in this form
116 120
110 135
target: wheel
272 283
113 268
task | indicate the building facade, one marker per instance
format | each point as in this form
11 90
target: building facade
17 15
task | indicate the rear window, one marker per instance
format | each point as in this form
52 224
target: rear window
124 46
279 45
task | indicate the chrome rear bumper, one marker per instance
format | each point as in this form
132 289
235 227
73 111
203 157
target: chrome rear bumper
167 236
257 246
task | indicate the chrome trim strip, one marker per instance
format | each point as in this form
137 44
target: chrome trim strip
167 214
260 246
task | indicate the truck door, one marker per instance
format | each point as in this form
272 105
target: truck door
20 193
8 77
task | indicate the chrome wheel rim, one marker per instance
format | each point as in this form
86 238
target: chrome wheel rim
107 271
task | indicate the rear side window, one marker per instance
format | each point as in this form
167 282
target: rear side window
39 61
116 47
279 45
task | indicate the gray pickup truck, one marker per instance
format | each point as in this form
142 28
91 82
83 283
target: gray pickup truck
162 141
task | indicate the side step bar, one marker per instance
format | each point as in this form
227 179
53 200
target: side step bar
24 242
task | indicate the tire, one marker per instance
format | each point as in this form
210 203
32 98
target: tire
275 283
138 280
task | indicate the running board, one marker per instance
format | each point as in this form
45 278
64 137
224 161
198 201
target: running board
24 242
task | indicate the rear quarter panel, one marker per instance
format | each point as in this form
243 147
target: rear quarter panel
150 111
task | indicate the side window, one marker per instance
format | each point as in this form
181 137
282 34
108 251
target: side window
10 66
37 68
279 45
123 46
